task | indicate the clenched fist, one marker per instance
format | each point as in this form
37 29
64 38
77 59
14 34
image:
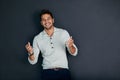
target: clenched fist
29 48
70 42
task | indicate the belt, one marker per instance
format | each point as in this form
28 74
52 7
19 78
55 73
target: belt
57 68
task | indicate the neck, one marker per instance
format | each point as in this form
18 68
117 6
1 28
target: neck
50 31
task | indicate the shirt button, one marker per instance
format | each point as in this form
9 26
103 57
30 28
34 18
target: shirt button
52 47
51 43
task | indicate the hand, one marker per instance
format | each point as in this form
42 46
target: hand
29 48
70 42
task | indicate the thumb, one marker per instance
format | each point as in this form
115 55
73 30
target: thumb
28 43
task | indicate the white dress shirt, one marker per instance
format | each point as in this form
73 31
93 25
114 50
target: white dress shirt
53 49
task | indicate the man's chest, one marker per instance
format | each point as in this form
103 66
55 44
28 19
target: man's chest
46 43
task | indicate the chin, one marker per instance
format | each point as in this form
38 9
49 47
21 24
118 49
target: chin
48 27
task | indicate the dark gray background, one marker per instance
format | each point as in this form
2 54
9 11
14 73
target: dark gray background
94 25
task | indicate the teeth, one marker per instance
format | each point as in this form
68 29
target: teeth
47 24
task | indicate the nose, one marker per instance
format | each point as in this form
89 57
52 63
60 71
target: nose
46 21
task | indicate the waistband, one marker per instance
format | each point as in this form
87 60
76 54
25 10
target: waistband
56 69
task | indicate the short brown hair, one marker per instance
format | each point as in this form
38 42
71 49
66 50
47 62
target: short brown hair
45 11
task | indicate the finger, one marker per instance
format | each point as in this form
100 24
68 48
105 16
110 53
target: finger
72 39
29 43
26 46
29 49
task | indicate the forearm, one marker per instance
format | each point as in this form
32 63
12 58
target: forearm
72 49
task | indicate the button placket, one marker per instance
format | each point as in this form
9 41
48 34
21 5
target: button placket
51 43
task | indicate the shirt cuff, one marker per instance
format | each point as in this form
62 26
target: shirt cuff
32 62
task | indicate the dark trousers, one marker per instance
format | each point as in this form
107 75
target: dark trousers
51 74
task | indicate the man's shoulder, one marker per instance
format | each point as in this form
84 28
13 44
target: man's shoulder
39 35
61 29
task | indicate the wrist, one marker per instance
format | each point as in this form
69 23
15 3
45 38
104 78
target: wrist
30 54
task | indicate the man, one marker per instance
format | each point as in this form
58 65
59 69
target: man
52 43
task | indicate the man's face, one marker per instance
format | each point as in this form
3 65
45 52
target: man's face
47 21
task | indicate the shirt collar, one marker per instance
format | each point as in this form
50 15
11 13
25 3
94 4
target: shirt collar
55 29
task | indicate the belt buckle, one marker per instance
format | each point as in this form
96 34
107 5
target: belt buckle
56 69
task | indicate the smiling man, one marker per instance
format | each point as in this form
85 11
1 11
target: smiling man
52 43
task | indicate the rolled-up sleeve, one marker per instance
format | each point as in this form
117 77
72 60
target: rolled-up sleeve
66 38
